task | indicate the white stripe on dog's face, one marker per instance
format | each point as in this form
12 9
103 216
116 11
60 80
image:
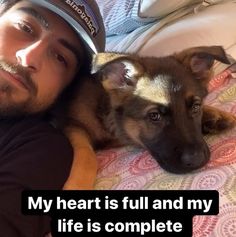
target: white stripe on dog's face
156 90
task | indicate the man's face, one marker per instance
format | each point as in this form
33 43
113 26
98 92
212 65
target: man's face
38 58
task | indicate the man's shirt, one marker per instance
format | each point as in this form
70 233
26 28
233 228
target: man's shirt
33 155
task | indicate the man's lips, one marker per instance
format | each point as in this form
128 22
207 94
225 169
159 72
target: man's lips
15 79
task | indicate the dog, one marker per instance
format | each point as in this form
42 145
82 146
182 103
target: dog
155 103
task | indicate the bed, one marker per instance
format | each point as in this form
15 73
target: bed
153 30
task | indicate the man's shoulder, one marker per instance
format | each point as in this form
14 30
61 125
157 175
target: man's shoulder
39 149
30 127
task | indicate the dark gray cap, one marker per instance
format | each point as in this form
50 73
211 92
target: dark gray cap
83 16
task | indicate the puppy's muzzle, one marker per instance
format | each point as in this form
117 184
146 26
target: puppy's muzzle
194 158
180 158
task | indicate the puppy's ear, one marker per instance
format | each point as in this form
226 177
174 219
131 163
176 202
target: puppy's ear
200 60
121 73
100 59
119 78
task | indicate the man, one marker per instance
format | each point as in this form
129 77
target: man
44 45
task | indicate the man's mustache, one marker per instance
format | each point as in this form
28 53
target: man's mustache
20 71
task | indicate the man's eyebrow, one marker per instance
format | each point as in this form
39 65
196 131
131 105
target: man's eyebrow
75 50
42 20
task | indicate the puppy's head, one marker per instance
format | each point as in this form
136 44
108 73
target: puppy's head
157 102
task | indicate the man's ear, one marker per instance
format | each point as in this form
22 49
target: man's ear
201 59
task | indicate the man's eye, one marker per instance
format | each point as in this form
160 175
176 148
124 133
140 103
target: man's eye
25 27
60 59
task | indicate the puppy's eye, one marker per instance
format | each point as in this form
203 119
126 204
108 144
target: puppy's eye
154 116
194 104
196 108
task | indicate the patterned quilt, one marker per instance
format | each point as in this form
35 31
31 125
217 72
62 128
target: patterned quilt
134 169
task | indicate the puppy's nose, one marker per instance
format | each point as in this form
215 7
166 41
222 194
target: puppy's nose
193 159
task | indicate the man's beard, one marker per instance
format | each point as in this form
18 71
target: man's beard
9 108
22 72
13 111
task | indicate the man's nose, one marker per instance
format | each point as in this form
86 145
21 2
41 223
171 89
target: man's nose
31 56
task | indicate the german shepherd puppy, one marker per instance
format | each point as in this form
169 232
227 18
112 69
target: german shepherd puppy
155 103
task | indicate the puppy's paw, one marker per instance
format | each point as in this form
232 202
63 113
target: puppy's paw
215 121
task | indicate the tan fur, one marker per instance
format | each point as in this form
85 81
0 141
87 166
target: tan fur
156 90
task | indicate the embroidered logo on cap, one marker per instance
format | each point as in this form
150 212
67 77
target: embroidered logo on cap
85 13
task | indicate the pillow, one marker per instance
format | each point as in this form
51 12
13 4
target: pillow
124 16
121 16
161 8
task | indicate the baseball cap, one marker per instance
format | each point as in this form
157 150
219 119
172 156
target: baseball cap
84 17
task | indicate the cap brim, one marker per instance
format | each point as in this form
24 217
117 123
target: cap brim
73 23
